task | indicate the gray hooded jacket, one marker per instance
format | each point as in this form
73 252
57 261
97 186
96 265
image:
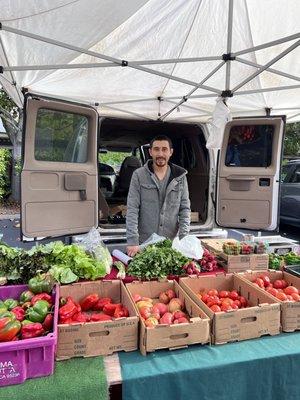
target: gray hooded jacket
144 216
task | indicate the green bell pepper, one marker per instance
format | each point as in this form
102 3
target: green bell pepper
40 284
38 312
25 296
26 322
11 303
6 313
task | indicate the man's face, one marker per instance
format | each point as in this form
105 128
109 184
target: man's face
161 152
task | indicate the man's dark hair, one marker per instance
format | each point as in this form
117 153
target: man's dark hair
162 137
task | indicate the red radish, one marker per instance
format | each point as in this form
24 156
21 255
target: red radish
170 293
167 318
161 308
145 312
137 297
151 322
175 304
163 298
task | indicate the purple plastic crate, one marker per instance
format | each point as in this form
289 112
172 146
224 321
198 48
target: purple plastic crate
29 358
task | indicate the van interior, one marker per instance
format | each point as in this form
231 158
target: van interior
123 147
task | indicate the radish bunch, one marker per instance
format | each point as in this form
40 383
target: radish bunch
208 262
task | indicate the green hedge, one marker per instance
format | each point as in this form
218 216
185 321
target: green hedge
5 162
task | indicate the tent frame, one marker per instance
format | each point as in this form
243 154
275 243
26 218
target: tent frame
226 59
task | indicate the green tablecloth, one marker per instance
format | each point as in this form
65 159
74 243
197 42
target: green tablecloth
262 369
76 379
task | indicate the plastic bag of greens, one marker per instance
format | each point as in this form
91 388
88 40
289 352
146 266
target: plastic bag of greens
93 244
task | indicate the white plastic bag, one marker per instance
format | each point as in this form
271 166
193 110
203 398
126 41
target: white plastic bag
189 246
154 238
221 116
93 244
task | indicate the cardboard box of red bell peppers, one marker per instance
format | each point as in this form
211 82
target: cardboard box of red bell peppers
99 325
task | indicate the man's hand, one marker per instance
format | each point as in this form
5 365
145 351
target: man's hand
132 250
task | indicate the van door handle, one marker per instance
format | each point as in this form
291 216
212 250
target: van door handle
240 178
74 182
82 194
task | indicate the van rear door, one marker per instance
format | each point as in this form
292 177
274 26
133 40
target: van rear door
59 179
248 174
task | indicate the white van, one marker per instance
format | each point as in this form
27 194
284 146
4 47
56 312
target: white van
66 189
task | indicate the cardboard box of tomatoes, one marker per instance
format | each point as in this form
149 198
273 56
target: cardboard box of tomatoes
237 310
169 318
283 287
96 318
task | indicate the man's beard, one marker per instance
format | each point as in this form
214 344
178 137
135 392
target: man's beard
160 162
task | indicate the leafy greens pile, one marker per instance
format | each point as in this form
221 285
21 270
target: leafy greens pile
66 263
157 261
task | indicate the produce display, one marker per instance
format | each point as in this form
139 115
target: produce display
279 288
277 261
247 248
222 300
166 310
66 263
157 261
235 248
232 248
28 317
91 308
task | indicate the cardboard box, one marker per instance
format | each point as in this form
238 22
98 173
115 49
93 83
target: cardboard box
98 338
290 311
262 318
171 336
194 216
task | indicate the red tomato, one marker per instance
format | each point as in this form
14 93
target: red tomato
266 280
272 291
238 303
213 300
224 293
259 282
213 292
284 284
295 296
215 308
281 296
233 295
227 300
205 297
234 306
290 290
243 301
278 284
269 286
289 297
225 307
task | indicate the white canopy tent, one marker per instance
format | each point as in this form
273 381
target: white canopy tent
155 59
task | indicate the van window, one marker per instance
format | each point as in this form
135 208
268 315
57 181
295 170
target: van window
113 160
249 146
61 136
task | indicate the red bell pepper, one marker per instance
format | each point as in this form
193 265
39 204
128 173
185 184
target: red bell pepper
41 296
80 317
48 322
100 317
89 301
68 310
19 313
121 312
101 303
33 330
110 308
9 328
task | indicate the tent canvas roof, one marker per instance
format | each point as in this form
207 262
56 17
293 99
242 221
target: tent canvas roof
155 59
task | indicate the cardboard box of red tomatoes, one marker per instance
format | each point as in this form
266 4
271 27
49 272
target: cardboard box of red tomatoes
169 318
283 287
237 310
97 328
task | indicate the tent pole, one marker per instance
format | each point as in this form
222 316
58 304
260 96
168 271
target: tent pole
272 89
229 43
201 96
185 98
263 68
274 71
106 65
268 44
123 63
129 112
185 105
293 116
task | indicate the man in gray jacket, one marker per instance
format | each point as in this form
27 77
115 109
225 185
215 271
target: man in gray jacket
158 198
